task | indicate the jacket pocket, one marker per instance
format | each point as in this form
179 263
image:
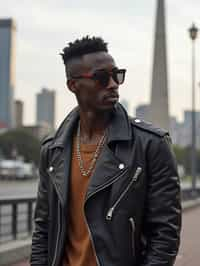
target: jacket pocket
133 180
132 226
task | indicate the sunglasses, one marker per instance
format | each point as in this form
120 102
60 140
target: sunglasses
103 76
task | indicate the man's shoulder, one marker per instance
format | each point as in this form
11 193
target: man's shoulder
148 127
48 139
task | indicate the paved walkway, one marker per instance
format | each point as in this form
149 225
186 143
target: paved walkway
189 253
24 263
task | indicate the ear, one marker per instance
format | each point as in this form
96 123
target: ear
71 84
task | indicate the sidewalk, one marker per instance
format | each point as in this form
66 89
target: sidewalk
190 241
23 263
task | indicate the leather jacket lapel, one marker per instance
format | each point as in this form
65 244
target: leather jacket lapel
61 150
60 176
106 169
114 159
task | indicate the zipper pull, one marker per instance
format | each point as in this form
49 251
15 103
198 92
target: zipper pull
134 178
110 214
131 220
137 173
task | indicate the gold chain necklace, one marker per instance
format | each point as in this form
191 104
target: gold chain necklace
95 155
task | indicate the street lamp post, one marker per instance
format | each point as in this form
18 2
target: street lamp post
193 31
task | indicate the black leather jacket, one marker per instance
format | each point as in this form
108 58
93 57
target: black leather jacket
132 206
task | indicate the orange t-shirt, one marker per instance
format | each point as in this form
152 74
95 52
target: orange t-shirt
79 250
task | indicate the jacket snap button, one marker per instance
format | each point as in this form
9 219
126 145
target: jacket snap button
51 169
137 120
121 166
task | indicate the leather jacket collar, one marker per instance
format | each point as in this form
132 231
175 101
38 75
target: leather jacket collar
119 129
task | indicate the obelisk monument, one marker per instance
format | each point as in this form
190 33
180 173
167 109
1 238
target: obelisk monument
159 109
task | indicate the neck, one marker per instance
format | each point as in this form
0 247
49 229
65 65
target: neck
93 125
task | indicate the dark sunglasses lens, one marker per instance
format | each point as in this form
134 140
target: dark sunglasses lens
103 78
119 76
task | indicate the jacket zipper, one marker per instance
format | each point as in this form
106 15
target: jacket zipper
115 178
134 179
58 235
101 188
132 222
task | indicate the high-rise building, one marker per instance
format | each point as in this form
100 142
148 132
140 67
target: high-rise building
46 107
142 111
181 133
159 93
176 131
18 113
187 124
7 71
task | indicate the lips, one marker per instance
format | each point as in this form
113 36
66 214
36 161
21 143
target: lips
112 96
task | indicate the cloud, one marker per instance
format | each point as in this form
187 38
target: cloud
45 27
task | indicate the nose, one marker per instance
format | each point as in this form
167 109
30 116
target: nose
112 84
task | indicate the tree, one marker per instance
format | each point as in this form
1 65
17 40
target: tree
183 156
22 143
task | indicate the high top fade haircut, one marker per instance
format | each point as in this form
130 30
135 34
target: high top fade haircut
75 50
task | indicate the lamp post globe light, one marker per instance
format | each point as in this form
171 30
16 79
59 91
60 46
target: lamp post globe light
193 32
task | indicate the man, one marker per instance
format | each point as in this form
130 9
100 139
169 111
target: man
109 192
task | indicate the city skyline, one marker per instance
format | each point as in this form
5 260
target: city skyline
43 29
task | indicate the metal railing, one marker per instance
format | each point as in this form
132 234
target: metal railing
16 218
16 215
190 194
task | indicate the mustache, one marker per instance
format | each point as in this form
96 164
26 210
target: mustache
112 94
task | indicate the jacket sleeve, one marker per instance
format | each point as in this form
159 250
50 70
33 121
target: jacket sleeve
163 206
39 250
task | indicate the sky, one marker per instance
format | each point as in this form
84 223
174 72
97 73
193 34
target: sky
45 27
